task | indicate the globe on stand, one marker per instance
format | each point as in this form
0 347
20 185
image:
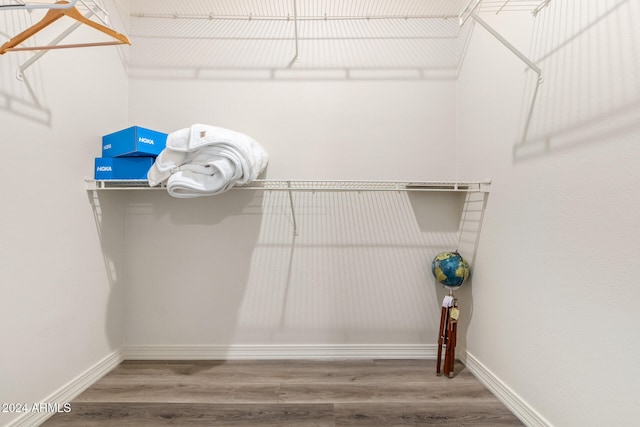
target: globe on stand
450 269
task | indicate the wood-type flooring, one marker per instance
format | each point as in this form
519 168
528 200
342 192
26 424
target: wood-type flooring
285 393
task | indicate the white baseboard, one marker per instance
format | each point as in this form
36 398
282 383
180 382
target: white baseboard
70 390
521 409
265 352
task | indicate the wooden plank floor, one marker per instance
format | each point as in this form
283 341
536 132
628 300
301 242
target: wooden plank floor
284 393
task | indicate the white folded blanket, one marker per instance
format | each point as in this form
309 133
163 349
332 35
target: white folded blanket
205 160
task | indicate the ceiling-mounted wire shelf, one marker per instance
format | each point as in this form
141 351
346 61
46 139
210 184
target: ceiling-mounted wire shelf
341 39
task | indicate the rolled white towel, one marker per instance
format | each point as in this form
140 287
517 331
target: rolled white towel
207 160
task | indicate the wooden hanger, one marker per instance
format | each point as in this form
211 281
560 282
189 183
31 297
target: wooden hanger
52 16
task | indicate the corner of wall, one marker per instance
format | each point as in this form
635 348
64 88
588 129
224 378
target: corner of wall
527 414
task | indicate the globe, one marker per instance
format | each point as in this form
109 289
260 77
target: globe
450 269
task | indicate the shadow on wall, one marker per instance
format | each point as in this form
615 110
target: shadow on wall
462 214
187 265
590 62
228 269
357 272
21 92
24 96
108 209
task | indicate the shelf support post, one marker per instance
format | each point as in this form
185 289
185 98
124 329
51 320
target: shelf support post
506 43
20 71
470 12
541 6
293 211
295 29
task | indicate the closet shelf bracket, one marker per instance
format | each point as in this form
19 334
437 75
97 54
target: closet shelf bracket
36 56
295 29
293 210
507 44
470 13
541 6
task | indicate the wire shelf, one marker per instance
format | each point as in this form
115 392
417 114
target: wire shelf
314 185
498 6
213 39
304 8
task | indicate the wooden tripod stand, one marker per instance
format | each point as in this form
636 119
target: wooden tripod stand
448 334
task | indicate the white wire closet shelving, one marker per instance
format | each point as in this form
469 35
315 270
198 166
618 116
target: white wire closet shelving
474 192
314 185
346 38
271 39
498 6
320 9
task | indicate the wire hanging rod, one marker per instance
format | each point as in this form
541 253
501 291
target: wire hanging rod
211 17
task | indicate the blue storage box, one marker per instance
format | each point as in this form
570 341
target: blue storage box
132 168
132 142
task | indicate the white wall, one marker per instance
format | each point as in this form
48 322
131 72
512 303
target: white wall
550 307
318 129
61 303
357 273
555 296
